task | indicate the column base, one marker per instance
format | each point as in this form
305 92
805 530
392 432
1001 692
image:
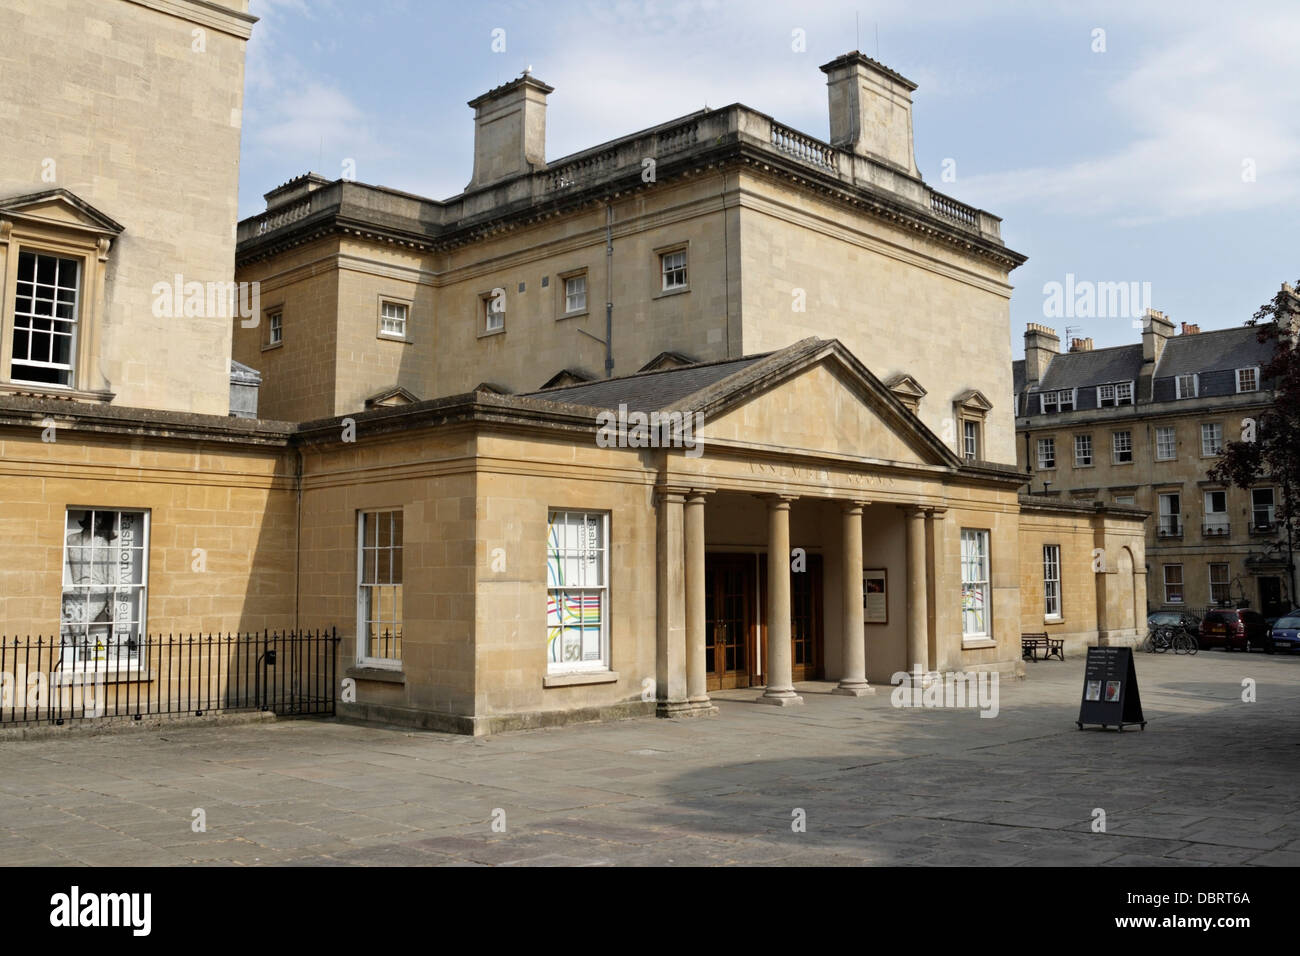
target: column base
850 688
780 698
685 708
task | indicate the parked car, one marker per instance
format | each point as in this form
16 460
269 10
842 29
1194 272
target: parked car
1235 629
1286 631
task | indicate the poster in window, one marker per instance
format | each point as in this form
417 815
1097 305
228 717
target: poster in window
875 603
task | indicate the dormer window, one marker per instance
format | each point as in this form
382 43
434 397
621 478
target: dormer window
1061 400
1121 393
1248 379
1186 386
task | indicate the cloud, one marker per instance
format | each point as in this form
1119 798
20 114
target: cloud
1195 117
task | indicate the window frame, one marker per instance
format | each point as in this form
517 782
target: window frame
275 328
1178 385
1115 398
71 367
1226 583
138 664
1253 370
1272 510
1116 451
1173 430
664 271
386 335
363 658
1176 513
565 295
1219 427
486 312
604 664
1051 442
1179 584
1225 524
986 584
1052 576
971 439
1086 436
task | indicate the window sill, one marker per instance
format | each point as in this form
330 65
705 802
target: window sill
36 390
386 675
273 345
91 676
577 678
1053 620
491 332
664 293
573 315
390 337
977 643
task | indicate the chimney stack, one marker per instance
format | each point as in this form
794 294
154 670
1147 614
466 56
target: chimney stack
509 130
1158 329
1189 329
1041 343
1081 345
871 110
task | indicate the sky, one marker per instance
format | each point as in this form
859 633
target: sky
1136 142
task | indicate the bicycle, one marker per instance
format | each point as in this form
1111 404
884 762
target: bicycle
1158 640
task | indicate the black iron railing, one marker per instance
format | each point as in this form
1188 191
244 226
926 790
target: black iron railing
52 680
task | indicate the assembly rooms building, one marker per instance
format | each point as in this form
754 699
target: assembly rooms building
432 468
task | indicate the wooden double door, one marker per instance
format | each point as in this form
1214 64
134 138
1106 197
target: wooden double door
735 636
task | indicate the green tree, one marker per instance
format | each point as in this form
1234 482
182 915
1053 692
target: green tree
1270 445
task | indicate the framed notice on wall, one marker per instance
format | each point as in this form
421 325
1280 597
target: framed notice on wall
875 605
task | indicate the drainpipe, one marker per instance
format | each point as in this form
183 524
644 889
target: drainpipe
609 289
297 542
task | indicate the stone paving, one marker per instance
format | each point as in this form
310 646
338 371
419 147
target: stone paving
1212 780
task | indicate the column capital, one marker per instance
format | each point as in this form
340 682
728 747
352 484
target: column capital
912 511
936 513
671 492
850 505
779 501
698 494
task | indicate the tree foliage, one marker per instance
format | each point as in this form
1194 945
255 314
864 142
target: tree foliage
1272 452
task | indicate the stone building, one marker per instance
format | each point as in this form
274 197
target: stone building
1143 425
763 479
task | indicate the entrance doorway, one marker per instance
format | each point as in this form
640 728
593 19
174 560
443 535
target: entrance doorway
1270 597
735 635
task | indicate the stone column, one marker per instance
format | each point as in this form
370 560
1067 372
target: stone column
853 683
917 610
939 655
696 617
670 663
780 680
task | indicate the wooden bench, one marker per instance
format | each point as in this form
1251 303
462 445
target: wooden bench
1031 644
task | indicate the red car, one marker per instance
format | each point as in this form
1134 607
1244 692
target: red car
1235 629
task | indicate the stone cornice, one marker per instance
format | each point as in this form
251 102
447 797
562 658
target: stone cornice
596 176
205 13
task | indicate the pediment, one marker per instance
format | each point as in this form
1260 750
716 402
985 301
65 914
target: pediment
59 208
905 386
822 403
973 400
391 398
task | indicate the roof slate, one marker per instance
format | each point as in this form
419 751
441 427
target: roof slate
647 391
1121 363
1213 351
